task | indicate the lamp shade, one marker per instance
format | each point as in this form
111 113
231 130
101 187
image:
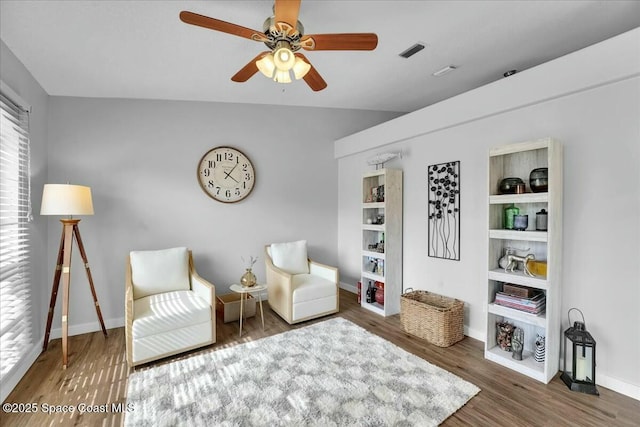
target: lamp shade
266 65
283 58
65 199
282 76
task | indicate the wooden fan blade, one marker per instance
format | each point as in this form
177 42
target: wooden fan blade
287 11
348 41
248 70
312 78
218 25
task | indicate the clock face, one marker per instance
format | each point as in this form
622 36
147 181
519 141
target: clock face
226 174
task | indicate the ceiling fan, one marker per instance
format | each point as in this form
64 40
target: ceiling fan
284 36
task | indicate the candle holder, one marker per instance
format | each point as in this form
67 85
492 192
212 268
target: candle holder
579 367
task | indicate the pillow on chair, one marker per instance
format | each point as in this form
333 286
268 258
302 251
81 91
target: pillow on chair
291 257
154 272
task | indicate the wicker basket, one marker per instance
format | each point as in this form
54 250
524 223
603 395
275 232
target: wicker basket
432 317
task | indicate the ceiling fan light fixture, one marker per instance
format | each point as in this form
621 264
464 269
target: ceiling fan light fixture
300 68
266 65
283 56
282 76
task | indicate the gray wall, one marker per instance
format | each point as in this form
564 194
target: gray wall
600 132
140 159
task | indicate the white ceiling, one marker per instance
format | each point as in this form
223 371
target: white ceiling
140 49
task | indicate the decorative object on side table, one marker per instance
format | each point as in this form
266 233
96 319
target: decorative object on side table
444 210
504 332
511 185
579 369
517 343
248 279
539 180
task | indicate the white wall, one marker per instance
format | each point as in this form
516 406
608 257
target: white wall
599 128
20 81
140 159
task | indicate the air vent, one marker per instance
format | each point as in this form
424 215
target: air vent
445 70
412 50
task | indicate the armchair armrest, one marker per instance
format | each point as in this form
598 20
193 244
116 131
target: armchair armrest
204 289
324 271
279 287
128 312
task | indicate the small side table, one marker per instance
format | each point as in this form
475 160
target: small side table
243 296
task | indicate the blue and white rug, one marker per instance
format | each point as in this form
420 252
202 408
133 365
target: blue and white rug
331 373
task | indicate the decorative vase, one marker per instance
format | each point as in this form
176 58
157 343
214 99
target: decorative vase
520 222
540 348
539 180
509 213
517 343
541 220
512 185
380 293
248 279
504 333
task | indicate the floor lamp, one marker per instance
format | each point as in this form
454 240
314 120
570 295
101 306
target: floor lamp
67 200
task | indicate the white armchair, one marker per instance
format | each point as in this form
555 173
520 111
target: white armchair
169 307
299 289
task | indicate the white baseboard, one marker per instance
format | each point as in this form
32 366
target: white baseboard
349 287
630 390
85 328
10 382
474 333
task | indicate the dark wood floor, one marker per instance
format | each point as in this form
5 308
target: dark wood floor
97 375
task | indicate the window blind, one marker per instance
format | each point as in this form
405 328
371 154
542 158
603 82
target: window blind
15 213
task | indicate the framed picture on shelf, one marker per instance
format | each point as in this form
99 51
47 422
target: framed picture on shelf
443 181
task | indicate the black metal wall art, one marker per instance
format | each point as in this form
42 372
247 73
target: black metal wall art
444 210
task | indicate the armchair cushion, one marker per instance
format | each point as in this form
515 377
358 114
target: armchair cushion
168 311
307 287
291 257
154 272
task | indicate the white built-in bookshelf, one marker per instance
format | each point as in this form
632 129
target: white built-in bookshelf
518 160
381 255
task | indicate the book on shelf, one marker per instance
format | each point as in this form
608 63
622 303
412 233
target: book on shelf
534 305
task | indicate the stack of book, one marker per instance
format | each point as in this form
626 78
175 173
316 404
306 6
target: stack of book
534 304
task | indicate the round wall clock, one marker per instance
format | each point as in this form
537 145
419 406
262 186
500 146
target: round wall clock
226 174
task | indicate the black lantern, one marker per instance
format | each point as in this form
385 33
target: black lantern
579 364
